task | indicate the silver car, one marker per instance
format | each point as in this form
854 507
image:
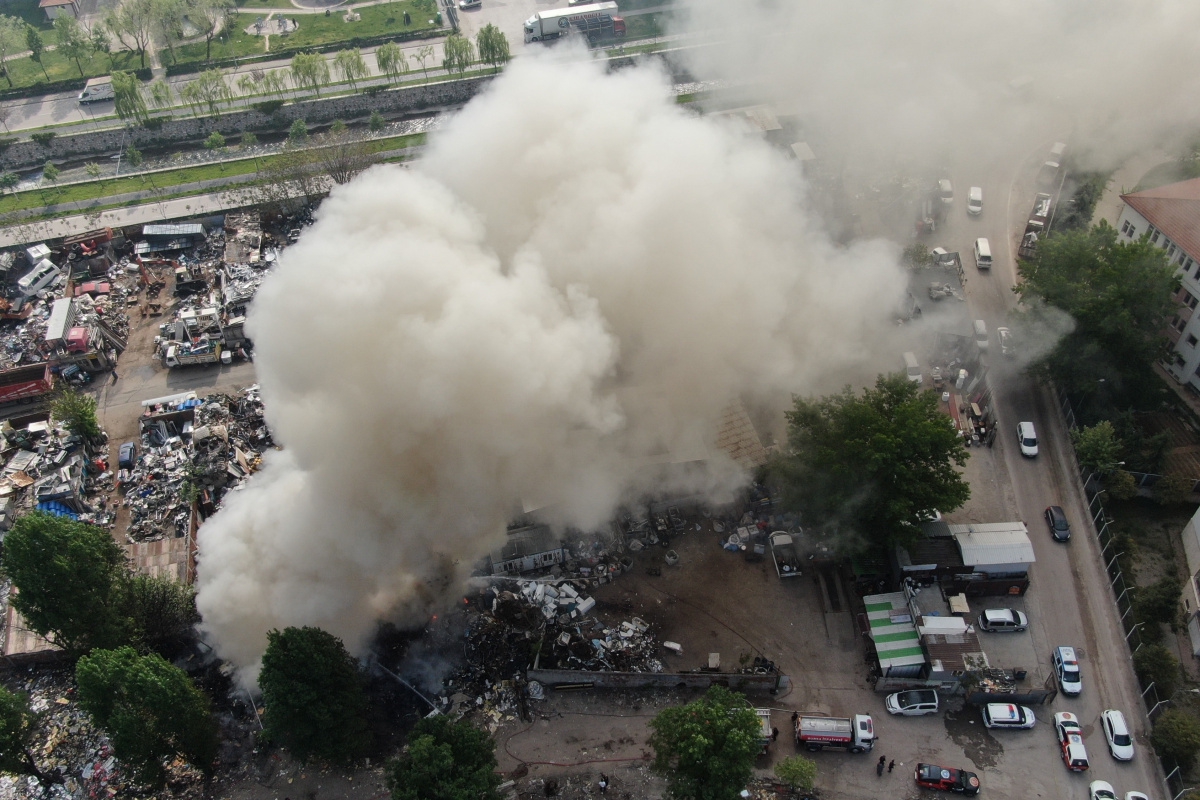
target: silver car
996 620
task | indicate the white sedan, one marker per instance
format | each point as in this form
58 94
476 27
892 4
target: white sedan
1101 790
1120 743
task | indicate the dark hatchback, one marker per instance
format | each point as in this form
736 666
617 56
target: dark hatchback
1060 529
947 779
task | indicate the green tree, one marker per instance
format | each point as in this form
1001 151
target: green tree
99 41
50 172
298 134
1076 213
315 705
351 65
36 45
873 465
162 613
133 156
1176 735
1121 485
209 89
132 22
77 411
215 141
18 729
457 53
128 100
798 772
150 710
70 581
445 760
168 22
706 749
376 123
92 169
212 17
1120 296
248 140
389 57
73 41
917 256
9 181
493 46
1159 602
1173 490
311 70
161 94
422 57
1097 448
1155 664
12 39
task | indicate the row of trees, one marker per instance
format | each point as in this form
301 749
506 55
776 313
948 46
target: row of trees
136 23
72 40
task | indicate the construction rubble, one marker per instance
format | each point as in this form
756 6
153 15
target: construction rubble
192 448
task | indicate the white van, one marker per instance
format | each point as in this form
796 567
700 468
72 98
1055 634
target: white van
983 254
981 334
39 278
912 368
975 200
97 89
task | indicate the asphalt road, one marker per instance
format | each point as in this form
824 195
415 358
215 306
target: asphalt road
1069 602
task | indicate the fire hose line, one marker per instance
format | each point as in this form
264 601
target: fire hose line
528 727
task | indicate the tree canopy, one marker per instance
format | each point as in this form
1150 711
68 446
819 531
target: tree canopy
129 102
1176 735
312 690
150 710
869 467
1120 296
76 410
492 45
445 760
17 728
69 578
707 748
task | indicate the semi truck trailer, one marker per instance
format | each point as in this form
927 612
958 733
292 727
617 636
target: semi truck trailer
594 20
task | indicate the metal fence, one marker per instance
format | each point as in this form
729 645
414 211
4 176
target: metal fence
1155 704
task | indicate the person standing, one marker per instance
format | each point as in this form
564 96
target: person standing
879 765
891 766
603 783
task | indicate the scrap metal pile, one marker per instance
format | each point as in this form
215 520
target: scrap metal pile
193 449
48 469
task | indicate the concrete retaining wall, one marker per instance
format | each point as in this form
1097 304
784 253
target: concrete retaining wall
412 99
658 680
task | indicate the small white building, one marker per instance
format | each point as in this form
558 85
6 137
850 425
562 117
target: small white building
1191 592
995 548
57 8
1170 216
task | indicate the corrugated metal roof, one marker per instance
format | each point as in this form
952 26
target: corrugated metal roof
994 543
893 631
174 229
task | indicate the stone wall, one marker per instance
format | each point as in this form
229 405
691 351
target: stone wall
413 99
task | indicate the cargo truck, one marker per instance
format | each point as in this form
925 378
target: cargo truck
854 734
594 20
25 383
175 357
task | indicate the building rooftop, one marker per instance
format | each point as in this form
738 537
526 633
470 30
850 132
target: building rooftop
1175 210
53 3
994 543
893 630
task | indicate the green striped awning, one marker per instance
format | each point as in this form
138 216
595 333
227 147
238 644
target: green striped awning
893 631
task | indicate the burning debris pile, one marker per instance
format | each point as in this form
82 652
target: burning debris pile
192 449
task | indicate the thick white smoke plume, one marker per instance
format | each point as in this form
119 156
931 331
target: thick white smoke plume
946 83
576 278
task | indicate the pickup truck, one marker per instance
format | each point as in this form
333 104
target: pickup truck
783 552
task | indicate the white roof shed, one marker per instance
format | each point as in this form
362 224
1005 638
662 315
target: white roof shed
997 543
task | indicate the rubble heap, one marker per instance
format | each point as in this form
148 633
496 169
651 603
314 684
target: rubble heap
192 449
46 468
